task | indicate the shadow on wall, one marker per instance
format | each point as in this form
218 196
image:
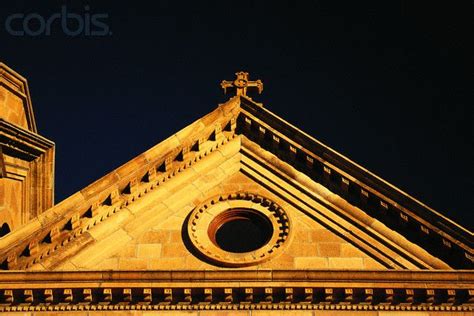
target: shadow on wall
5 229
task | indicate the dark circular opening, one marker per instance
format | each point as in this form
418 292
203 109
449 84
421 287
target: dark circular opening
240 230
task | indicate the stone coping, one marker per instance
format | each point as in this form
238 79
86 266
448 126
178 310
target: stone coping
344 176
339 161
446 277
113 187
23 140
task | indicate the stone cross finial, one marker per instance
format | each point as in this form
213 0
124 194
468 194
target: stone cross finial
241 83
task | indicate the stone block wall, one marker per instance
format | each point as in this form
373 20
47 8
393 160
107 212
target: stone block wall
148 235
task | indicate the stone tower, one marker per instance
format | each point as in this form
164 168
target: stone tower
26 158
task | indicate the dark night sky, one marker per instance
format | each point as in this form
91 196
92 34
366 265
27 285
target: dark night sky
387 85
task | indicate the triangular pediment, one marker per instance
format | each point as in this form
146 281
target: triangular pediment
325 211
149 234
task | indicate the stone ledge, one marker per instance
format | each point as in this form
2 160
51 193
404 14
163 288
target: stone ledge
231 289
440 277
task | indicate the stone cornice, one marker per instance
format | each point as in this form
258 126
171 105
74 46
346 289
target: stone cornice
353 182
329 209
68 220
23 142
237 289
343 163
397 278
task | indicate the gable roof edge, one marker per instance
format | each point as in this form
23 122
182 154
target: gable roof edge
367 177
108 188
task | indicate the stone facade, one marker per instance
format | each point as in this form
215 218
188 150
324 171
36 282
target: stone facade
144 238
26 158
159 244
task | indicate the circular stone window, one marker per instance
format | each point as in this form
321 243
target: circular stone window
238 230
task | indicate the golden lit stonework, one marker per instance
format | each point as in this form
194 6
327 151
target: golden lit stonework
239 212
241 83
239 229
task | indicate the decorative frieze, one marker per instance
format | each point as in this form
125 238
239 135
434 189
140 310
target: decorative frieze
33 248
131 187
231 125
48 296
127 295
146 297
184 153
242 298
340 299
217 134
67 297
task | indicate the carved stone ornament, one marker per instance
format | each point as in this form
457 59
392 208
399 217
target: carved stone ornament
206 220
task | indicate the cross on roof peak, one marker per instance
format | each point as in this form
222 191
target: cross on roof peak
241 83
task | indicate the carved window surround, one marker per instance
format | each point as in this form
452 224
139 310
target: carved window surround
202 233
